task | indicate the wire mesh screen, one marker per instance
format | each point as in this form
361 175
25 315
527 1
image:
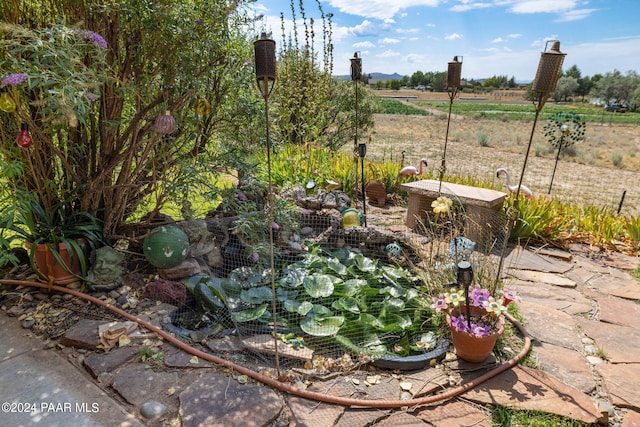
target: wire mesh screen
339 294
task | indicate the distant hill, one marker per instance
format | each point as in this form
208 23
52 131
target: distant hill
396 76
376 76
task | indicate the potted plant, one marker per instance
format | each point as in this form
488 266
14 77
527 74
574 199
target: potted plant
59 241
475 318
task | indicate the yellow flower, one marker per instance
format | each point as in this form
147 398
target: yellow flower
441 205
493 307
454 298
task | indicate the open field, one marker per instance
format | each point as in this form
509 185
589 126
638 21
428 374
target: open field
478 146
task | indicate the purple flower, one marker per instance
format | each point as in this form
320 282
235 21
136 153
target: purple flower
275 226
14 79
242 197
459 323
255 257
306 211
480 329
93 37
479 296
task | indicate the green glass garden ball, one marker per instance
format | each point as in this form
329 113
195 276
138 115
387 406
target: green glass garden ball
166 246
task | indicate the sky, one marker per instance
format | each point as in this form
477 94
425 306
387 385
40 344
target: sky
491 37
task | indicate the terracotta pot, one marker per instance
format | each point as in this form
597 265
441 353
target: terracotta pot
48 267
470 347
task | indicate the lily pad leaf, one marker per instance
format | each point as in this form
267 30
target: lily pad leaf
364 264
329 326
336 266
301 308
319 285
350 287
250 314
346 304
256 295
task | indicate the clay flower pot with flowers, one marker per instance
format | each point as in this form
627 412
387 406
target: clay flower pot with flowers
475 319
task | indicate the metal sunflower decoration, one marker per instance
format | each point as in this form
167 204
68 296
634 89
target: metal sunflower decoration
562 131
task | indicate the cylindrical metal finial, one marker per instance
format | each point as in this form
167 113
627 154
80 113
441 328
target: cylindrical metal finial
548 70
454 73
265 63
356 67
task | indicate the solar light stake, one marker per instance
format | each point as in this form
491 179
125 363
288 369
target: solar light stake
465 277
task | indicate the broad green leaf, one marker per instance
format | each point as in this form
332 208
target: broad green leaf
336 266
394 322
319 285
250 314
256 295
350 287
364 264
283 294
326 327
320 311
346 304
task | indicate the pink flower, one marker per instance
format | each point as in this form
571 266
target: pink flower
509 296
275 226
439 303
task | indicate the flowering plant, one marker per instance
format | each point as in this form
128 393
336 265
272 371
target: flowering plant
482 310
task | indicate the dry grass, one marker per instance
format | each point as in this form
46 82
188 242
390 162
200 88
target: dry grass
587 177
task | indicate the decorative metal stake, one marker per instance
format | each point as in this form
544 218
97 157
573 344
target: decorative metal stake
265 63
361 149
454 73
544 83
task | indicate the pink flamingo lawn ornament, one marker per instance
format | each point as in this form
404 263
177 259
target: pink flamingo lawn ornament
513 188
410 170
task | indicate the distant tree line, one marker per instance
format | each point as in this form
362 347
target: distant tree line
611 88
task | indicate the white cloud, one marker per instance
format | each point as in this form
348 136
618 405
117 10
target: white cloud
467 6
388 40
363 45
366 28
379 9
453 36
514 36
499 40
575 15
543 6
388 54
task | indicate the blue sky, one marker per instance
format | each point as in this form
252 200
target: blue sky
494 37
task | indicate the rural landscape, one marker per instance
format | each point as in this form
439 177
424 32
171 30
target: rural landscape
479 145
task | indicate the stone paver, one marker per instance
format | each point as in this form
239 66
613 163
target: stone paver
619 343
526 388
571 301
217 400
568 366
621 382
454 413
631 419
550 325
